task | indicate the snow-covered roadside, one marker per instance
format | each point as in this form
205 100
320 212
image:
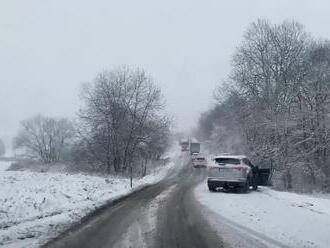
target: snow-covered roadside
291 219
4 165
37 206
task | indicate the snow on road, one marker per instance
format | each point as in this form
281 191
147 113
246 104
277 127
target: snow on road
37 206
142 230
279 219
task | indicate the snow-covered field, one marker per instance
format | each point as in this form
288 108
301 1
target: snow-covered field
37 206
4 165
291 219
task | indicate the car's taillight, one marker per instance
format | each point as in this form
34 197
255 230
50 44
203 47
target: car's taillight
243 170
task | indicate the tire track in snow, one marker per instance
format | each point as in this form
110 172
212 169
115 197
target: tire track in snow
142 231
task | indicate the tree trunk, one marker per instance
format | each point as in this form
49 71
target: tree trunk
108 166
144 171
287 179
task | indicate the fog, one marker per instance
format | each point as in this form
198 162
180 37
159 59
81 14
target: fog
48 48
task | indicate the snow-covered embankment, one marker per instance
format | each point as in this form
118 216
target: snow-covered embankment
37 206
276 218
4 165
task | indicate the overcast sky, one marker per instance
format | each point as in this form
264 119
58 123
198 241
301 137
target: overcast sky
48 48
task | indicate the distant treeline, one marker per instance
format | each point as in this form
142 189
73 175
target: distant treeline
119 129
275 105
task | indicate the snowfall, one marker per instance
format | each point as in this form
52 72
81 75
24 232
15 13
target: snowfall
276 219
35 207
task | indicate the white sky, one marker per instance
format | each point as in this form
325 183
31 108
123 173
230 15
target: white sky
48 48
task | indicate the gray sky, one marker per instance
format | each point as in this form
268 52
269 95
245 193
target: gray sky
48 48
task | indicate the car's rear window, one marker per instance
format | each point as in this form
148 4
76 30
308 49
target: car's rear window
227 161
200 159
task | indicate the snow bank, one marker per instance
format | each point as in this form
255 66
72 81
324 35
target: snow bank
4 165
292 219
37 206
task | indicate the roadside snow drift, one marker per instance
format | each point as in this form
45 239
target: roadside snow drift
37 206
291 219
4 165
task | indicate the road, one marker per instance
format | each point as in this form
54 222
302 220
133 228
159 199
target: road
180 212
162 215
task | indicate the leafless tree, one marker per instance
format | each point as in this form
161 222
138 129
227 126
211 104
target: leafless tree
118 107
277 102
44 138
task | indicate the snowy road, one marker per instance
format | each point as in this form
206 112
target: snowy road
181 212
163 215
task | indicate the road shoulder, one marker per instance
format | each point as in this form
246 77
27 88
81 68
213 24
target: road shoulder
267 218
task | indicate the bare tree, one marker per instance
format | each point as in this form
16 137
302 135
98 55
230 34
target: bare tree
118 107
44 138
313 111
268 69
154 143
277 102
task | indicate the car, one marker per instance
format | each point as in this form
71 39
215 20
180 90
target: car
199 161
194 155
232 172
184 146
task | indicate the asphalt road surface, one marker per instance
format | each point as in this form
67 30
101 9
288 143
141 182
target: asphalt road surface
162 215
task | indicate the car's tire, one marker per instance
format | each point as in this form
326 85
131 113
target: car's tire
246 187
212 188
255 185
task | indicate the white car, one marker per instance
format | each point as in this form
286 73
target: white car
194 155
199 161
231 172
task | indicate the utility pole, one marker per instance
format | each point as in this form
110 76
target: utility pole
131 174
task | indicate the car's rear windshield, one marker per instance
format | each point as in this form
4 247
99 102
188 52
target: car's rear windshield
227 161
201 159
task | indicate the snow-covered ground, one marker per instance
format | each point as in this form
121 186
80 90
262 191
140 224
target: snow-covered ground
287 219
37 206
4 165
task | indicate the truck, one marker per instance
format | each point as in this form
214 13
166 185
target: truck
195 147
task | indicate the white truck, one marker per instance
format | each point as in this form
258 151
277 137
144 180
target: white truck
195 147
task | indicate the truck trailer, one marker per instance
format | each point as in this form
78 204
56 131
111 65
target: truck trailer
195 147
